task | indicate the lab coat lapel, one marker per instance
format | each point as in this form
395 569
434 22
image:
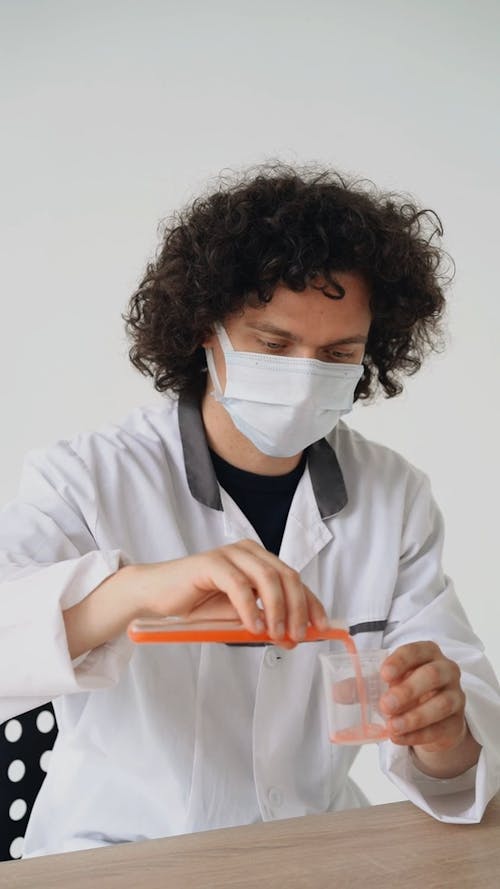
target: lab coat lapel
236 524
305 532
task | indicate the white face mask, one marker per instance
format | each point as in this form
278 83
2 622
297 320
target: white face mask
281 404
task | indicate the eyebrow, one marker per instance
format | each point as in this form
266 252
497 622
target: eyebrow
286 334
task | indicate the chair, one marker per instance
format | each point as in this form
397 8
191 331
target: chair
25 745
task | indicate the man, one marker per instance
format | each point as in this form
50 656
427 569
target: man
272 305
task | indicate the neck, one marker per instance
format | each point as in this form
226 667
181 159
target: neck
229 443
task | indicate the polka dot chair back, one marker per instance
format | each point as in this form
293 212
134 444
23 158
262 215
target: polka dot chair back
25 745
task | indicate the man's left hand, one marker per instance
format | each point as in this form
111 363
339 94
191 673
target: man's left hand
425 701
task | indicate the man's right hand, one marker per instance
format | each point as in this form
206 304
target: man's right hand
240 580
227 582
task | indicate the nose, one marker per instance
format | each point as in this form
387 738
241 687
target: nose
305 352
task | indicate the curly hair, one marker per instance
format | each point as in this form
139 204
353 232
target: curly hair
282 225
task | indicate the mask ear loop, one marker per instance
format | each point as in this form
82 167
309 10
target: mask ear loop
217 390
223 338
226 346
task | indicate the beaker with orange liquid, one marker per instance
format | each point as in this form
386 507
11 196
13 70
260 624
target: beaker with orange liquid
353 688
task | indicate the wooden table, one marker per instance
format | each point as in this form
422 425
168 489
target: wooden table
395 845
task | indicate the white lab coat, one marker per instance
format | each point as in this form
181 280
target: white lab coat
168 739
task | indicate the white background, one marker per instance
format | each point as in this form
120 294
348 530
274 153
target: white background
115 112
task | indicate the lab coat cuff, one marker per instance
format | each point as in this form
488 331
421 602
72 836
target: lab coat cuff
432 786
34 623
100 667
459 800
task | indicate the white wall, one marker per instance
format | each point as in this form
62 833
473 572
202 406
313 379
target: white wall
114 112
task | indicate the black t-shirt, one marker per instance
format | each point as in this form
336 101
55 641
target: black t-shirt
264 499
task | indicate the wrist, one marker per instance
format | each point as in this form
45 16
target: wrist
105 612
447 763
153 589
136 585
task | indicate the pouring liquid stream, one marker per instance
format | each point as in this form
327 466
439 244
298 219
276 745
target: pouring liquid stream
368 730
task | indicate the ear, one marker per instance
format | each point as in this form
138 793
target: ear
210 342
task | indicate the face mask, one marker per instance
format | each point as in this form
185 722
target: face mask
281 404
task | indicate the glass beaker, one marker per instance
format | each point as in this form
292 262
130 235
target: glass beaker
353 687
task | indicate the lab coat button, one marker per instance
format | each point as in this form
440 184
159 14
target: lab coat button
273 657
275 797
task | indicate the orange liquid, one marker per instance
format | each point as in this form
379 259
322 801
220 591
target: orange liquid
367 730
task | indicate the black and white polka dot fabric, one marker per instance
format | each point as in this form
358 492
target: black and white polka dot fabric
25 746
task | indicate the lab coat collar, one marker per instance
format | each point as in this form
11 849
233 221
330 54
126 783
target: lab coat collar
200 472
326 475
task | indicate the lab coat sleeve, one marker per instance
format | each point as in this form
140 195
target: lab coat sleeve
425 607
49 561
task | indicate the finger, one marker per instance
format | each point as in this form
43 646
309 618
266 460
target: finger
286 644
407 657
267 585
317 613
226 577
295 614
440 736
440 707
302 606
422 682
296 604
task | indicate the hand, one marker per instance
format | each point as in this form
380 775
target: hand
425 701
226 582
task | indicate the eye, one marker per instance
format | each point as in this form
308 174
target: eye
273 347
342 356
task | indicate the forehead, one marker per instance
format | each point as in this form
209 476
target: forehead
311 309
